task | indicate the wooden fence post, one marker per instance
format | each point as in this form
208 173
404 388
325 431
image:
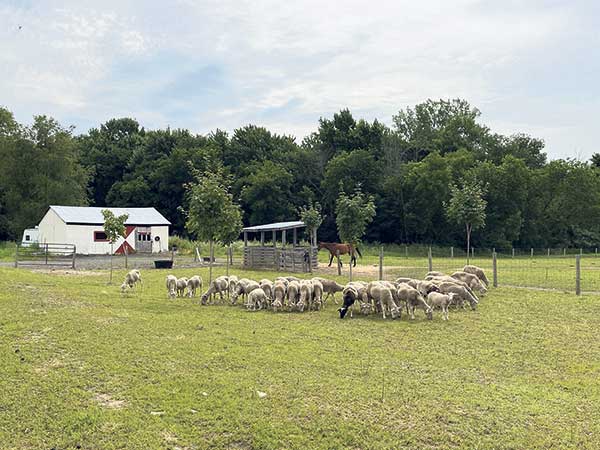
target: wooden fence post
451 252
532 252
125 248
337 254
548 252
472 252
73 261
381 262
495 268
16 255
46 253
513 252
430 260
578 275
350 269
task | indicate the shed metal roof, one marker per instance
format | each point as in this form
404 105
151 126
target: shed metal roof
277 226
88 215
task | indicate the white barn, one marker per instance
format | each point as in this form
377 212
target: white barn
147 230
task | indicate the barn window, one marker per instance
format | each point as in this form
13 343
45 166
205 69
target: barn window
100 236
27 237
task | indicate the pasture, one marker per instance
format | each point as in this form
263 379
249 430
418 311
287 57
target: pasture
86 367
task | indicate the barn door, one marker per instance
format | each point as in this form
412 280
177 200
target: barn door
143 240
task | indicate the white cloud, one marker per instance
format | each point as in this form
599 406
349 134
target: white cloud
318 57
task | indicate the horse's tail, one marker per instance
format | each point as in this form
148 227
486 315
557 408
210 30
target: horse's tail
358 251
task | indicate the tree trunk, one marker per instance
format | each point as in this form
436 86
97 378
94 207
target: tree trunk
468 242
227 258
210 261
111 263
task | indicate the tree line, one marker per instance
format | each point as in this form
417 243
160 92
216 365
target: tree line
409 169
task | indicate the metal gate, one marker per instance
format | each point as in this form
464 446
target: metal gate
61 255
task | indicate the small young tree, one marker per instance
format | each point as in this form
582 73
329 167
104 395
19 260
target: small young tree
312 218
114 227
467 208
231 229
212 214
353 214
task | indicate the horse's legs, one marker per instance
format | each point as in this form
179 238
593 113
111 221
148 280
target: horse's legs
330 259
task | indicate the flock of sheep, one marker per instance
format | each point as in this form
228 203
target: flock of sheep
436 290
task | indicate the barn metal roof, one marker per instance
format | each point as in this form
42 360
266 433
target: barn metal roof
277 226
88 215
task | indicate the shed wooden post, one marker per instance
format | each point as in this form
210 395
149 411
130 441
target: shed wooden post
283 238
295 237
262 238
245 239
274 239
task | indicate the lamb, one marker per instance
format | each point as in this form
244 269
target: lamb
478 271
279 292
472 281
330 287
461 293
267 286
413 299
171 285
256 299
217 286
194 284
436 299
131 279
383 295
181 286
243 288
293 294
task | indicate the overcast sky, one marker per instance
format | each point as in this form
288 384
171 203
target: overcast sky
529 66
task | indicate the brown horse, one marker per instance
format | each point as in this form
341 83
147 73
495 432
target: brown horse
343 249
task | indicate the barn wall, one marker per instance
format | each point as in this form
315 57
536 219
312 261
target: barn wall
52 229
163 233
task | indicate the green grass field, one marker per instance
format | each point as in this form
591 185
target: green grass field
84 367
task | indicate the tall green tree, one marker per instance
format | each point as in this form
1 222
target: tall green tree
467 208
353 214
313 218
211 209
114 227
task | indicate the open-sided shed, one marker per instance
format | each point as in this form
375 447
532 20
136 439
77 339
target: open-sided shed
288 256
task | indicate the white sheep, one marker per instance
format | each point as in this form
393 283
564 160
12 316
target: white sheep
472 281
442 301
462 293
413 299
306 294
181 286
279 293
132 278
267 286
243 288
194 284
257 299
233 281
293 294
477 271
317 294
217 286
171 286
383 295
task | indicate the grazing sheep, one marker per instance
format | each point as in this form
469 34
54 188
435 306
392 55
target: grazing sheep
330 287
448 279
478 271
244 287
349 296
290 278
171 286
233 281
293 294
217 286
317 294
442 301
405 280
472 281
461 292
383 295
283 280
257 299
306 294
425 287
267 286
435 274
131 279
194 284
413 299
181 286
279 292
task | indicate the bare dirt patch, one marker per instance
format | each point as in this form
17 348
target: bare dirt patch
106 401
